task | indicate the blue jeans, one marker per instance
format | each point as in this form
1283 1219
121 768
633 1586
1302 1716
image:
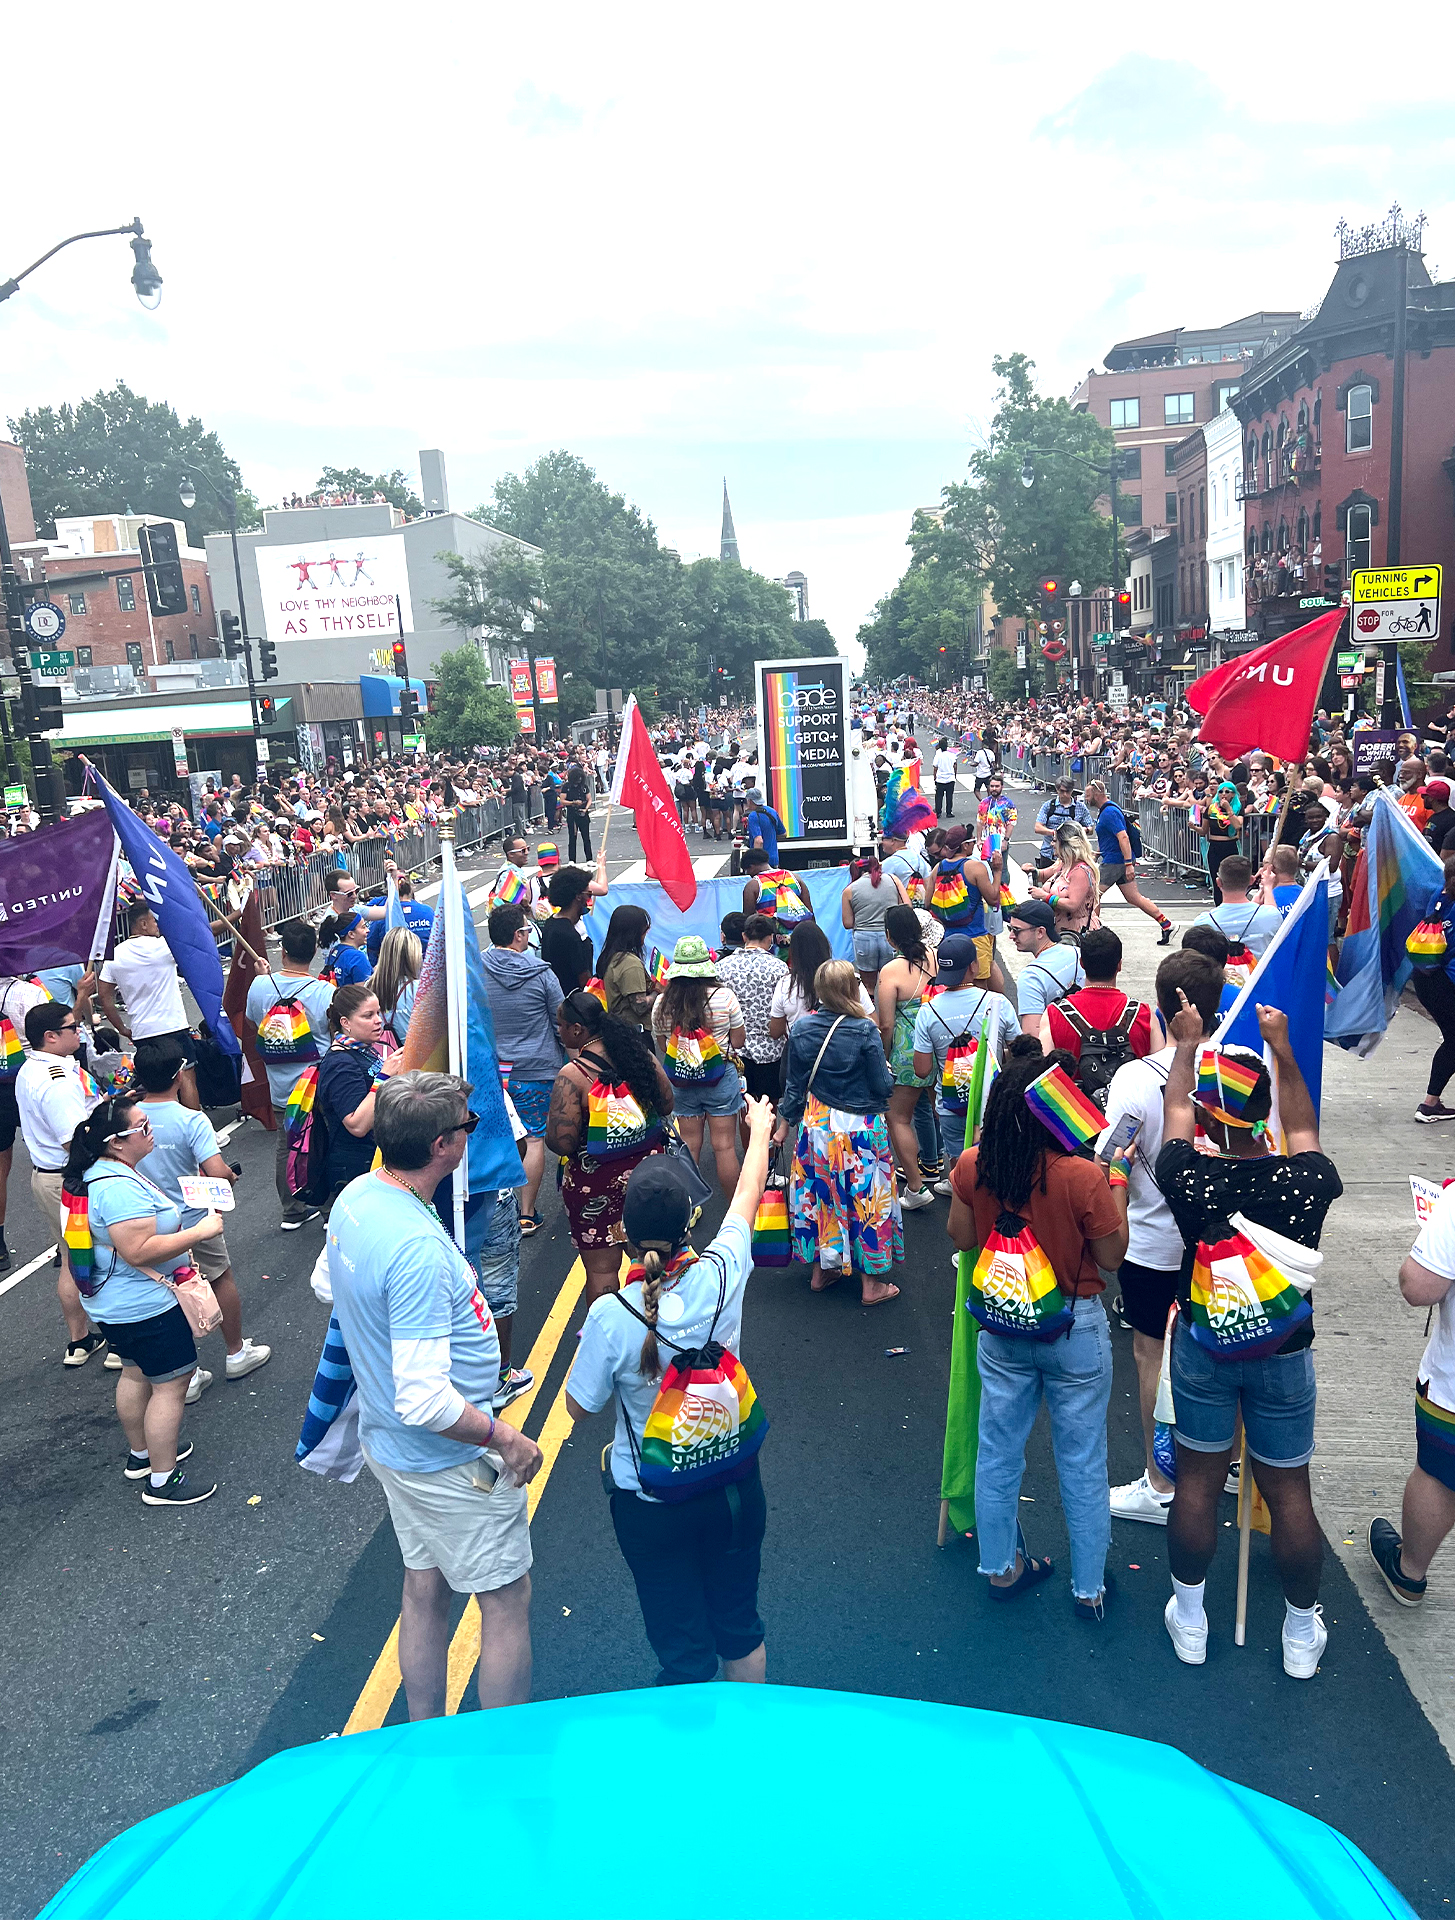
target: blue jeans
1074 1375
719 1101
952 1132
497 1264
926 1132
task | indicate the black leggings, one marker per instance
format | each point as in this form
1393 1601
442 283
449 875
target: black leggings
945 798
578 822
1218 850
1436 994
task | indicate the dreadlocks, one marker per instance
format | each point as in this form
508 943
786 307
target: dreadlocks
1013 1143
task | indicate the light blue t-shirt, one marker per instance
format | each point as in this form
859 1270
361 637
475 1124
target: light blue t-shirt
115 1192
397 1275
1243 921
181 1141
61 983
1047 976
313 996
944 1017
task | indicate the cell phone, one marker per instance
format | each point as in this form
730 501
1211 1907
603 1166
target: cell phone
1121 1137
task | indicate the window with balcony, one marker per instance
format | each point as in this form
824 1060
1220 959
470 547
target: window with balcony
196 592
1171 509
1177 409
1318 526
1126 413
1359 420
77 603
1357 538
125 593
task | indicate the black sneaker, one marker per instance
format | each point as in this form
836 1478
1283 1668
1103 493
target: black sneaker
80 1351
139 1466
1167 931
1384 1545
4 1256
175 1491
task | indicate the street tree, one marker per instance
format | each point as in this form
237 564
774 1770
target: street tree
467 711
394 486
120 453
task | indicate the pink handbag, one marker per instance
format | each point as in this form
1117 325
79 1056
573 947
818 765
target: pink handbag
194 1296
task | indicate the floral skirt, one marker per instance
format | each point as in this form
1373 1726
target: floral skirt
593 1193
843 1204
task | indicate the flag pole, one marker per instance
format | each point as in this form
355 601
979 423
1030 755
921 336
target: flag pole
452 905
1245 1530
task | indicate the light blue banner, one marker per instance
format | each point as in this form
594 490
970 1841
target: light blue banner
714 899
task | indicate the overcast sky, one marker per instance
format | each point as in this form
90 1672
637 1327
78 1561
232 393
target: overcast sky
776 243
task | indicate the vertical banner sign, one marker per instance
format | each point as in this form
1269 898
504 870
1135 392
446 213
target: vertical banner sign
525 719
521 691
803 745
546 682
179 750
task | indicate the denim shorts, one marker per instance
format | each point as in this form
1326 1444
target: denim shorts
497 1265
721 1101
872 952
1277 1395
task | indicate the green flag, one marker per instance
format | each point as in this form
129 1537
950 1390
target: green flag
962 1416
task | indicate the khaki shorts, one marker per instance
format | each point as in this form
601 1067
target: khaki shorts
45 1190
478 1541
211 1257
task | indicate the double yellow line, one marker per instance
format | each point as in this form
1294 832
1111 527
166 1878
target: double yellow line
371 1709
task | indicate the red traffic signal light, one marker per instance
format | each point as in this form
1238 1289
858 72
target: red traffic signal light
1121 609
400 669
1049 588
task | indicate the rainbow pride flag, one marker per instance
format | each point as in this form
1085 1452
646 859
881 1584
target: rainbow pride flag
657 966
12 1050
1063 1109
1224 1085
1395 882
511 890
299 1103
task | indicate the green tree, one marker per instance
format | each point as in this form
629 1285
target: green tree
394 486
933 606
119 453
467 711
1003 681
814 638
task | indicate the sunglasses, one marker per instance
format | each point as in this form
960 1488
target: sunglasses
68 1026
144 1126
467 1125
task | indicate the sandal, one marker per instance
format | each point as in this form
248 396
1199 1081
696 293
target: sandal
529 1223
827 1277
884 1298
1031 1575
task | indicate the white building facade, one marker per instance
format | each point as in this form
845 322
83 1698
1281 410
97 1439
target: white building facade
1226 602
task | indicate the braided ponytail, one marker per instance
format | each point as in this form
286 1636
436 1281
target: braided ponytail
649 1365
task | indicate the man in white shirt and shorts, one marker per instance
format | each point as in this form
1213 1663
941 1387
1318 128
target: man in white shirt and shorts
144 972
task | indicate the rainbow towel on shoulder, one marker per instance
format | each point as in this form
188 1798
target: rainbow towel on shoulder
299 1103
1064 1110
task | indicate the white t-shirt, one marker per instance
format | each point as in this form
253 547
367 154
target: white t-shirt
17 997
984 763
945 765
789 1003
145 974
52 1101
605 1367
1152 1236
1435 1248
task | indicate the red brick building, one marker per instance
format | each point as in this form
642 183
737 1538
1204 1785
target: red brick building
93 572
1349 435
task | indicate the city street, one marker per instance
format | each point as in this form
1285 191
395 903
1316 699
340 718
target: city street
150 1655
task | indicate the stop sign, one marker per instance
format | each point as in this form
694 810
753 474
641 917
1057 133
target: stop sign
1367 621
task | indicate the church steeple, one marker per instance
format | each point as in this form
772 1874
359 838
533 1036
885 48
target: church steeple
729 547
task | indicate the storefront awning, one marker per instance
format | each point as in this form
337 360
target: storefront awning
380 695
106 725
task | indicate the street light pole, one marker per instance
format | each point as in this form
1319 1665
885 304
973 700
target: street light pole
187 494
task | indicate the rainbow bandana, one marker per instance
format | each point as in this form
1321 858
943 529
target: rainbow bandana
1064 1110
1225 1083
76 1233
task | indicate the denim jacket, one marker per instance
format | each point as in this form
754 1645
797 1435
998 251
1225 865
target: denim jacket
853 1074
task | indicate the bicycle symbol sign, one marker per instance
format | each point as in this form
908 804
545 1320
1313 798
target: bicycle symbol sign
1396 603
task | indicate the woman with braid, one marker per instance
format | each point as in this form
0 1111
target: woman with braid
695 1561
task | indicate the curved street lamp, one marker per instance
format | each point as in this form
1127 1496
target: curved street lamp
144 276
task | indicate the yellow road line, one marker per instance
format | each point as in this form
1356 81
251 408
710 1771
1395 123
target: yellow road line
371 1709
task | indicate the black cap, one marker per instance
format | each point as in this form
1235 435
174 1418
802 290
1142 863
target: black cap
657 1212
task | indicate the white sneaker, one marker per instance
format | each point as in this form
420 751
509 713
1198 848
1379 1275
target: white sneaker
912 1202
1140 1500
113 1363
197 1386
945 1187
1301 1657
1188 1643
247 1360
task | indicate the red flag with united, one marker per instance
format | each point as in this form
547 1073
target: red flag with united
1266 700
640 784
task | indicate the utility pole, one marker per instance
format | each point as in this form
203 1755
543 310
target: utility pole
51 802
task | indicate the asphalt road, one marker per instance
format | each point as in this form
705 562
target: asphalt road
148 1655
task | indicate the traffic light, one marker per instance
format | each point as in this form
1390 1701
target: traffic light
162 565
400 660
408 708
232 644
1050 586
1121 611
267 660
267 710
40 704
1333 583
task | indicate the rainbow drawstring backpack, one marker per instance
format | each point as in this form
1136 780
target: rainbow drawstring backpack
950 901
615 1123
12 1047
1427 947
1013 1290
706 1424
694 1059
76 1233
597 988
1250 1291
284 1032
